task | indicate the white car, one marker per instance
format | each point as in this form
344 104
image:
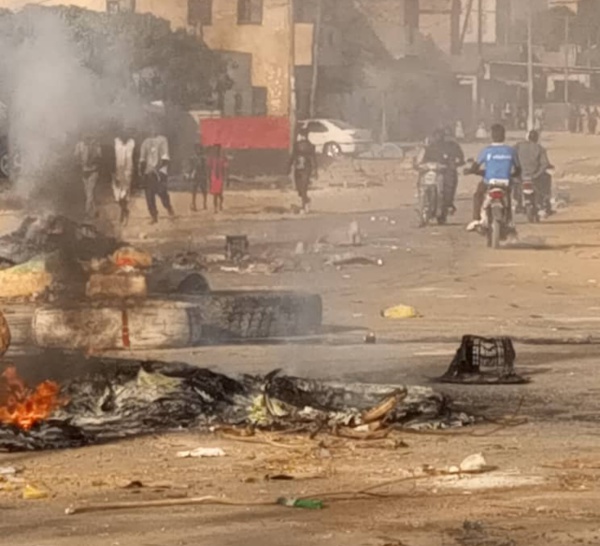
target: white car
333 138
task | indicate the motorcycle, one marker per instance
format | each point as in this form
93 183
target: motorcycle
431 194
530 200
496 212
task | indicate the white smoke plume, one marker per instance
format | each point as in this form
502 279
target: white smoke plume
54 99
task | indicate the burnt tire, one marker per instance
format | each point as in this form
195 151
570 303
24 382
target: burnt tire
177 281
257 315
5 337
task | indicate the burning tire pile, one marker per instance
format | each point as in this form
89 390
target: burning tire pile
119 399
101 294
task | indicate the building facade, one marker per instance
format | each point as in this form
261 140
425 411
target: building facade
261 34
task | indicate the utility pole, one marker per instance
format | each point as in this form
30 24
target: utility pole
292 73
567 38
315 58
530 105
480 27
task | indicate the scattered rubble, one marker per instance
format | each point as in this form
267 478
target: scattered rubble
126 398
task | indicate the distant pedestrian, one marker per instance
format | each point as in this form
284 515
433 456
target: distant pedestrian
582 120
154 164
88 153
573 116
196 172
592 121
481 133
459 131
217 174
538 119
303 166
123 173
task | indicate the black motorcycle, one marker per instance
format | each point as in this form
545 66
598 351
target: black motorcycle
432 195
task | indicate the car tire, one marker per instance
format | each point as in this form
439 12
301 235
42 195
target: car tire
258 315
333 150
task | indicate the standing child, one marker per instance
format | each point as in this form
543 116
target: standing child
217 174
196 173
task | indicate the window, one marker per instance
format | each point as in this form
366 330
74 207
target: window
120 6
250 12
238 103
259 101
316 127
200 12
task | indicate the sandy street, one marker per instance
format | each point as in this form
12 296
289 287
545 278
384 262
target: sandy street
543 290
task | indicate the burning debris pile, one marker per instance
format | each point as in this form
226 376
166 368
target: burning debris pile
127 398
45 254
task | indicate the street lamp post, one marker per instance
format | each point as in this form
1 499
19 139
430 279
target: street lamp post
530 105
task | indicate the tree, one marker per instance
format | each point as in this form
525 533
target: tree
120 49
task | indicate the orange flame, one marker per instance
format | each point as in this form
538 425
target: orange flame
22 406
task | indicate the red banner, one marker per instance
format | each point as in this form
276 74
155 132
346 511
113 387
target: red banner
244 133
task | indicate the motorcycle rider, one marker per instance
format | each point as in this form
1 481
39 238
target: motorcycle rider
534 162
456 159
498 162
445 151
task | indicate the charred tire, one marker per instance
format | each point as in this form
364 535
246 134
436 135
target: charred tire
257 315
177 281
5 337
531 212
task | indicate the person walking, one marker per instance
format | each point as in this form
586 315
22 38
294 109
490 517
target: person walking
123 173
154 164
196 172
592 121
303 166
89 155
217 167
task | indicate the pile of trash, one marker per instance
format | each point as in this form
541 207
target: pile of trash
119 399
52 257
45 254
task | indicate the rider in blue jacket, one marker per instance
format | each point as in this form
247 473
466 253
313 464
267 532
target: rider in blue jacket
499 163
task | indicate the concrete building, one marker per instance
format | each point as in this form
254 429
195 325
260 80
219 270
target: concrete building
452 24
573 5
260 33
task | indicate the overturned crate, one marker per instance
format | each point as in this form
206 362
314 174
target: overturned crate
482 360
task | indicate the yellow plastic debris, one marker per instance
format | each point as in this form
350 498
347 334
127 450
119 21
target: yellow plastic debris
33 493
400 312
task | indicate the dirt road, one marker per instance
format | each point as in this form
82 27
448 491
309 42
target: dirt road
543 290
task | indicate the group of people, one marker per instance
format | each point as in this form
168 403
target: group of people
152 168
206 172
528 160
583 119
514 117
500 162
